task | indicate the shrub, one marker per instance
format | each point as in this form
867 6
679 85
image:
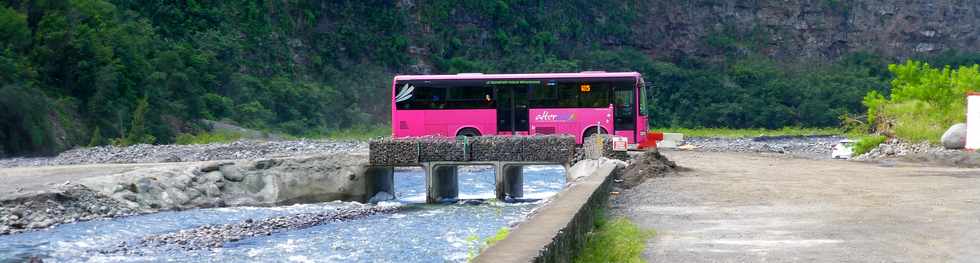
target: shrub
864 145
137 132
924 100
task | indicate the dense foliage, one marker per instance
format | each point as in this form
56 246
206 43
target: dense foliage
925 101
78 72
95 71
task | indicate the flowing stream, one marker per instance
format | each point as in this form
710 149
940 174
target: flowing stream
416 233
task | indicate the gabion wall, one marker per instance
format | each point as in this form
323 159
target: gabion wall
412 151
591 148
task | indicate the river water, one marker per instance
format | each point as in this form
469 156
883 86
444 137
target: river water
416 233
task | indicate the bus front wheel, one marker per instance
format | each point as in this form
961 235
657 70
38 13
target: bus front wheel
468 132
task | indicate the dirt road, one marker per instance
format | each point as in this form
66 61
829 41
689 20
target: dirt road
753 208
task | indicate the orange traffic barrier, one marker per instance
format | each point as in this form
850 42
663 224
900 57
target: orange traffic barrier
652 139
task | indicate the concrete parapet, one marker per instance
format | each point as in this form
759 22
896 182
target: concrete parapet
559 228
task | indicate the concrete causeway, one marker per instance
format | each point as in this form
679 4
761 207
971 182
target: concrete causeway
558 229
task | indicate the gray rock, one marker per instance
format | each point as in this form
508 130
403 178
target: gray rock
232 173
955 137
381 196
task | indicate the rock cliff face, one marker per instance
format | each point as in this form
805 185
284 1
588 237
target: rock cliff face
810 29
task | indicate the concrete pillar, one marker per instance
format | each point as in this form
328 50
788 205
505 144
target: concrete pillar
499 181
514 178
442 183
509 181
380 183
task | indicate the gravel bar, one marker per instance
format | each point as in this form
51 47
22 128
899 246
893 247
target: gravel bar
811 147
144 153
216 236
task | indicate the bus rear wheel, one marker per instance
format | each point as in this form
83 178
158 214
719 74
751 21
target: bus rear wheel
592 130
468 132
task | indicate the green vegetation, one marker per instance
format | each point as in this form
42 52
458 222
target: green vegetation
93 72
616 240
207 137
743 133
501 234
757 92
924 101
866 143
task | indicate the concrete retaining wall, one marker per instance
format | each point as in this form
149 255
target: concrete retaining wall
100 191
558 229
240 183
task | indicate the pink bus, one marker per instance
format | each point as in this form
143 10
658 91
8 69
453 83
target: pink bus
474 104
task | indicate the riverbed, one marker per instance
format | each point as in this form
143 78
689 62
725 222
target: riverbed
417 232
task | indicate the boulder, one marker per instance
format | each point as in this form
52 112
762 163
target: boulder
955 137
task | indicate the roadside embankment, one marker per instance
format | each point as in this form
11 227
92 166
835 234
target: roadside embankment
151 188
559 228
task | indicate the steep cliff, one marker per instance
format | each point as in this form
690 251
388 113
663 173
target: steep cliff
809 29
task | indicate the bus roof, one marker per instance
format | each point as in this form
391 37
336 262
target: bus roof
585 74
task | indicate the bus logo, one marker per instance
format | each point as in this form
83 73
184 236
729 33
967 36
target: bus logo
554 117
405 94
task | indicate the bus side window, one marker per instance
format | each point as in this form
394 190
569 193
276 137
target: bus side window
429 98
596 97
544 96
470 97
568 94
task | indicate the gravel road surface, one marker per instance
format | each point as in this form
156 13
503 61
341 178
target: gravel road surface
738 207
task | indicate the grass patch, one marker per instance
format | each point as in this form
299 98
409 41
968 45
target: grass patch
207 137
865 144
743 133
615 240
490 241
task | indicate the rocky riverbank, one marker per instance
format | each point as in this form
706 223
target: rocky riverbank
263 182
143 153
216 236
65 204
921 152
811 147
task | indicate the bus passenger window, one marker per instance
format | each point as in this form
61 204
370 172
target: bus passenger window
544 96
568 94
596 97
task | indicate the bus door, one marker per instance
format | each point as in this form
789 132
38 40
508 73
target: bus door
512 108
624 111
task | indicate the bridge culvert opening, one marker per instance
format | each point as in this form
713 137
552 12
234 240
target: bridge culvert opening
532 182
